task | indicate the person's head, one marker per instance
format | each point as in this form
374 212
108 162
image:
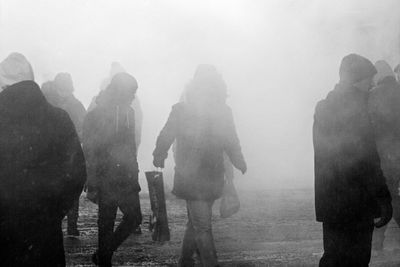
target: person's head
207 85
63 84
50 93
383 70
116 67
122 89
357 71
14 69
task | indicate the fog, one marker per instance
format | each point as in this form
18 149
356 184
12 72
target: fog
277 57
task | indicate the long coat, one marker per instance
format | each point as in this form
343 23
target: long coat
349 182
201 141
42 173
384 108
110 149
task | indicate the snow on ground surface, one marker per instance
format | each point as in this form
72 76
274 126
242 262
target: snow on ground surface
273 228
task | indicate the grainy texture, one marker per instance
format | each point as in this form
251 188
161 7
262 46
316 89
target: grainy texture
273 228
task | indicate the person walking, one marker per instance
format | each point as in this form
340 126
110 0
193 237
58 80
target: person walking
350 189
110 149
204 130
42 170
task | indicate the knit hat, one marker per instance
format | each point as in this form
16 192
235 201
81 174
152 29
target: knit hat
383 70
15 68
355 68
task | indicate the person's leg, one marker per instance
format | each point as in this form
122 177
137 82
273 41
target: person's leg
331 243
396 213
72 219
50 241
360 237
107 215
200 213
188 245
378 238
132 218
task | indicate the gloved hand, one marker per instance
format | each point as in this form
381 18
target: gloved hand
386 214
158 163
243 168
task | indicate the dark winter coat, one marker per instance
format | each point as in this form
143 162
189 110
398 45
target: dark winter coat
110 149
384 107
42 173
349 182
75 110
42 164
200 145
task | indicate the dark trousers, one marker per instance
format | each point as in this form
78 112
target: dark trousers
72 216
347 245
198 235
110 240
31 241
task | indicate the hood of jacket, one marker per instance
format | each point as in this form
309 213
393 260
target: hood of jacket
21 99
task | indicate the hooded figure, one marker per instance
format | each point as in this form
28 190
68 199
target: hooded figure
15 68
64 87
51 93
59 93
42 171
116 67
204 130
350 189
384 108
110 149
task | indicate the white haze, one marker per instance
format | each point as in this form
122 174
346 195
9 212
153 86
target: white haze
278 58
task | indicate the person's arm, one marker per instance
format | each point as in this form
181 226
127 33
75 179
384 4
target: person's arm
232 144
73 165
89 142
166 138
138 121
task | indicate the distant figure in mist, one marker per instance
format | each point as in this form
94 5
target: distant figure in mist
350 189
117 68
60 93
384 107
204 129
110 149
42 169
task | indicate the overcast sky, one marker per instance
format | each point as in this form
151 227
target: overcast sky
278 57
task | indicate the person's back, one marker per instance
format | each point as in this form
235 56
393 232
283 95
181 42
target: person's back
350 189
42 172
204 130
345 148
136 105
67 101
384 108
201 141
109 144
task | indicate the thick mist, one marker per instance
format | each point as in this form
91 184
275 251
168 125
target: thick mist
277 57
